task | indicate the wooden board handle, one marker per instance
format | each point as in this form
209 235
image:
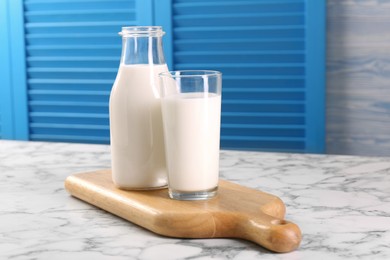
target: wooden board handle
275 234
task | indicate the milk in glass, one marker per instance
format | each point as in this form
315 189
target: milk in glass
192 126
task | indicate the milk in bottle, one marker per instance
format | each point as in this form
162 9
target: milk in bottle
137 144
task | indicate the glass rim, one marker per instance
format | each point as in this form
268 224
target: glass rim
142 31
191 73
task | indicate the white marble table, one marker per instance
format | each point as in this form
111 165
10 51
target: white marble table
341 203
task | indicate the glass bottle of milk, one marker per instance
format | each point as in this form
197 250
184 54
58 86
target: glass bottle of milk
137 144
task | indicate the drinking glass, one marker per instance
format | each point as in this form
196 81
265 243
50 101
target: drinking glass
191 111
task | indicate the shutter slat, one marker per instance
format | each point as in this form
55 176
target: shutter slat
74 50
262 138
257 77
75 70
91 119
261 102
68 92
68 106
231 29
246 15
247 44
57 5
241 58
74 12
68 98
79 17
234 3
253 113
70 138
86 47
263 90
62 127
263 126
72 62
240 65
67 103
68 35
270 108
238 52
214 8
67 114
68 81
73 24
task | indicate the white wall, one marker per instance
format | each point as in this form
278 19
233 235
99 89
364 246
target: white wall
358 77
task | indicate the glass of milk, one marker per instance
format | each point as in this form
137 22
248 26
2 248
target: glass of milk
191 111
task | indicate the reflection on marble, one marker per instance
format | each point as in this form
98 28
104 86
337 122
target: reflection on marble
341 203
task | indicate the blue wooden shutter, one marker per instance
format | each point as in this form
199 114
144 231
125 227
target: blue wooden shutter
72 52
271 53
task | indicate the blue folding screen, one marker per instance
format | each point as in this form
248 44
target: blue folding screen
271 54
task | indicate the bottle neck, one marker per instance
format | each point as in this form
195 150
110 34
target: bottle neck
142 50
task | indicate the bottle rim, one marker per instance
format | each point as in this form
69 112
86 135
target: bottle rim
141 31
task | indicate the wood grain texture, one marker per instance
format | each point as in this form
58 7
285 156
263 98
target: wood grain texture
236 211
358 77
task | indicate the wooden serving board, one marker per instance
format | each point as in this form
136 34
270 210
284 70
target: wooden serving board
236 211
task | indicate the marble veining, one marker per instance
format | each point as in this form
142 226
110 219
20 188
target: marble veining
341 203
